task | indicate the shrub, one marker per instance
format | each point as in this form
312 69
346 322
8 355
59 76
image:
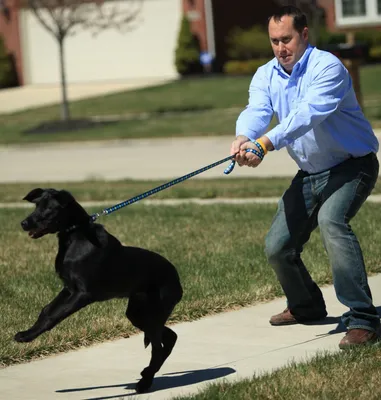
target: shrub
328 38
237 67
375 52
248 44
7 72
371 38
187 55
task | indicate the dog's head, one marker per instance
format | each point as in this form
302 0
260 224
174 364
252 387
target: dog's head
51 213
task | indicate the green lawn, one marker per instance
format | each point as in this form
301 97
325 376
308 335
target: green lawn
343 376
125 189
220 260
204 97
188 107
370 80
224 187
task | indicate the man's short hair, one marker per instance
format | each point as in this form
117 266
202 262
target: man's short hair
299 18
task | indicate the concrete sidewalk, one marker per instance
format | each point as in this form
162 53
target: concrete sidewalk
232 345
132 159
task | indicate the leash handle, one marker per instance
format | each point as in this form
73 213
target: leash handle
134 199
232 164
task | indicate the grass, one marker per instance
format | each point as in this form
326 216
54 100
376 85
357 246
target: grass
370 81
212 123
210 97
122 190
192 188
188 107
203 242
342 376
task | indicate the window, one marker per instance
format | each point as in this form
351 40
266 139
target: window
353 8
357 13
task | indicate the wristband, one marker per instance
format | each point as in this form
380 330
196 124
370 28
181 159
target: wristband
259 143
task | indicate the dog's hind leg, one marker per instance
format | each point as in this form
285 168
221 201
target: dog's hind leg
157 359
170 297
169 340
162 341
146 312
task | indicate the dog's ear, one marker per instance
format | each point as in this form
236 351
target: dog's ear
64 198
34 195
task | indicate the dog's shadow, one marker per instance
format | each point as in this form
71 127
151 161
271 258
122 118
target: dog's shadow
166 381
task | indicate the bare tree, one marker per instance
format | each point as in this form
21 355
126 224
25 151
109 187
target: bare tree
63 18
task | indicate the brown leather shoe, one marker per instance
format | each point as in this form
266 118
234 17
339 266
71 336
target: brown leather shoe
357 337
284 318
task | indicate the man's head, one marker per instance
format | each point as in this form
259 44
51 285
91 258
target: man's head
288 32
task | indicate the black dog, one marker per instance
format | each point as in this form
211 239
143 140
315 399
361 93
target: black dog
94 266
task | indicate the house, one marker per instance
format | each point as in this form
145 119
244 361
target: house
212 21
9 30
145 52
352 14
148 51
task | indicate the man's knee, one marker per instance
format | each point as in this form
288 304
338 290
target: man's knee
331 227
275 250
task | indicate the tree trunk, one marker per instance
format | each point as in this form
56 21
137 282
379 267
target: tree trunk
65 113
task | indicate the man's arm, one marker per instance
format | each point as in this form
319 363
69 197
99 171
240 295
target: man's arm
255 119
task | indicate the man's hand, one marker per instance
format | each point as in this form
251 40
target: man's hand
235 149
251 160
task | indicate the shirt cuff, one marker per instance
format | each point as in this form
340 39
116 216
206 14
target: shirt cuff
249 134
275 137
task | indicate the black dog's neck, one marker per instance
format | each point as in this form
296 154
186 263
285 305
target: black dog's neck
77 227
78 219
86 229
74 228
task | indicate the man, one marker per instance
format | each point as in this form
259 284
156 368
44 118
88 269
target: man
324 130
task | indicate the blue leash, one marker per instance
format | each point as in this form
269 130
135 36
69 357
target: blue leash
109 210
142 196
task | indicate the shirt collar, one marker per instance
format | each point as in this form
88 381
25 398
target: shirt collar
299 66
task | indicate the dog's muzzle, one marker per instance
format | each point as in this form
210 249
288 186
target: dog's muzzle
33 231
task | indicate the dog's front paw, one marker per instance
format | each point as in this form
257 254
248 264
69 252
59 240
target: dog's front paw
24 336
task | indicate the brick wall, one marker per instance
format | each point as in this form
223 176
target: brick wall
9 31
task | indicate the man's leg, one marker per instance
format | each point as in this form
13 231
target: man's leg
346 190
290 230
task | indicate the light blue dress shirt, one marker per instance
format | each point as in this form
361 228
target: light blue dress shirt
320 120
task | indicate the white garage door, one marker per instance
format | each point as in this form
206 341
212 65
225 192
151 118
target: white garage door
145 52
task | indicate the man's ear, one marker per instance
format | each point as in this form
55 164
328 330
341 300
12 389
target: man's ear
63 197
34 195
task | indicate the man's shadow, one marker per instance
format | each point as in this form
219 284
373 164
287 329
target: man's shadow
166 381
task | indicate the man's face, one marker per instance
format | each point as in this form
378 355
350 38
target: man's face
287 43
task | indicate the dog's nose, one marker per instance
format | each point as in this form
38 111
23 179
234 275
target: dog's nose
24 224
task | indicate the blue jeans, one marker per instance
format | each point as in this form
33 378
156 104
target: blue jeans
329 199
